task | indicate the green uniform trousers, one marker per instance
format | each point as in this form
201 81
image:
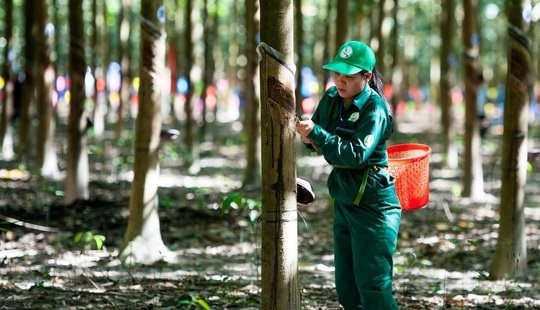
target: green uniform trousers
364 240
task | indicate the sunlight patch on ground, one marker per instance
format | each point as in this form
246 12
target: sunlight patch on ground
446 283
532 214
241 248
440 274
445 173
85 259
220 162
481 213
12 253
318 267
416 127
443 185
222 183
23 285
19 269
244 268
232 151
311 161
151 274
441 244
474 299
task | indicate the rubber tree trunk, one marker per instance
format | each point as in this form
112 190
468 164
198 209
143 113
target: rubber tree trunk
6 131
124 31
102 48
142 240
190 124
396 68
448 25
217 58
94 42
208 66
359 17
380 38
279 222
473 181
27 98
510 258
46 159
76 181
252 173
230 61
299 41
342 21
326 51
59 60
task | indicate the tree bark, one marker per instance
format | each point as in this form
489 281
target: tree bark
124 31
6 131
380 39
326 41
396 68
473 181
76 181
252 172
445 84
142 240
207 78
59 59
342 21
28 96
94 58
215 58
299 41
189 125
279 222
46 159
102 48
510 258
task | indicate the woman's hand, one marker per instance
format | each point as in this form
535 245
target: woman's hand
306 140
304 128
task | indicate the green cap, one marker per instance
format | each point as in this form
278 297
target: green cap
351 58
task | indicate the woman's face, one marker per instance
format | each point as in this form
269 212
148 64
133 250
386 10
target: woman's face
349 86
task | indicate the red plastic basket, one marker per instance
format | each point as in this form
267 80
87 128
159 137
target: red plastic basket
409 164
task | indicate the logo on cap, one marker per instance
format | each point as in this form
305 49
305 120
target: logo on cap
346 52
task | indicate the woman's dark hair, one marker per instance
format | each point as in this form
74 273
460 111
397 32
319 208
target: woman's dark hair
376 82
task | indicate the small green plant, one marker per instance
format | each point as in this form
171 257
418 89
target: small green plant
38 284
239 202
45 273
189 301
165 202
86 239
169 152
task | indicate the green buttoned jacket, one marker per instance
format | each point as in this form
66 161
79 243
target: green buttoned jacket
353 140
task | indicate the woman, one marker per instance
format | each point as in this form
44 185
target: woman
350 127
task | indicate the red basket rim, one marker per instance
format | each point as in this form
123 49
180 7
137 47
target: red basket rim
409 146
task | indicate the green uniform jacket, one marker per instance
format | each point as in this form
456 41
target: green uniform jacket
353 140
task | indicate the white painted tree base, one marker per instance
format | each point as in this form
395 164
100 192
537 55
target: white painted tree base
145 252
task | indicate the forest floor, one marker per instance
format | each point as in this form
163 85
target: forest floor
442 262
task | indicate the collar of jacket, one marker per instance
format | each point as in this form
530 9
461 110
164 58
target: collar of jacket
359 100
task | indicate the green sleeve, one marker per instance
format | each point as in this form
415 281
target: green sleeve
356 151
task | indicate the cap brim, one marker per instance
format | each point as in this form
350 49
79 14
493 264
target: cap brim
341 67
